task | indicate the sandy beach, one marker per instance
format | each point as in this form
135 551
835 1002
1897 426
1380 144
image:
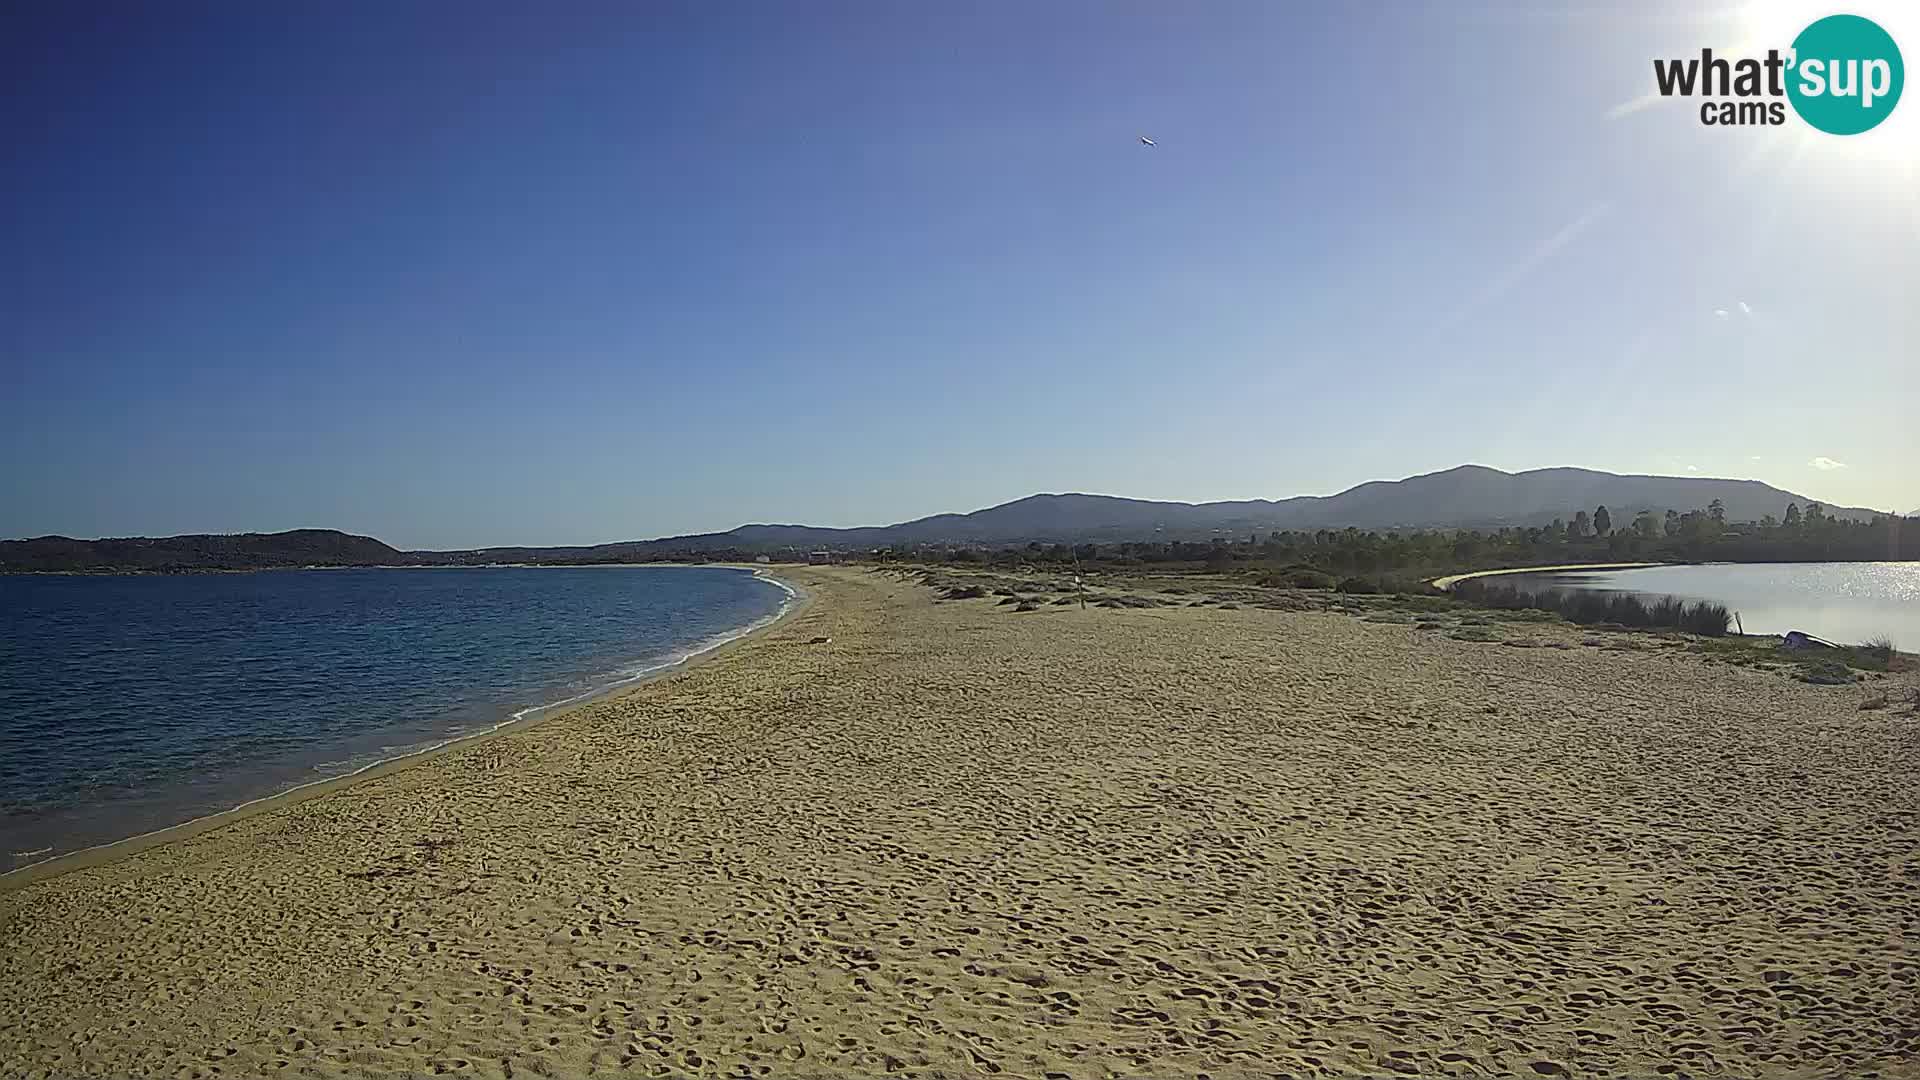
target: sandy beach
956 840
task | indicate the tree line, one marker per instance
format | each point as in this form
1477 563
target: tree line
1698 535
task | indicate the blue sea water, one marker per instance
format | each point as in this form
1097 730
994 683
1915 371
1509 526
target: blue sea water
129 703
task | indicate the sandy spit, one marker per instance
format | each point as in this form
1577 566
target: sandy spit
1449 581
955 840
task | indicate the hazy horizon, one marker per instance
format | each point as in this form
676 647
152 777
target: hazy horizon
486 278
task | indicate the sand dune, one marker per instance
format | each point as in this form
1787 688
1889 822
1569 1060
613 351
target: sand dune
956 840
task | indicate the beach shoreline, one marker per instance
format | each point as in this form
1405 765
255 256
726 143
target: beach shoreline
112 851
899 834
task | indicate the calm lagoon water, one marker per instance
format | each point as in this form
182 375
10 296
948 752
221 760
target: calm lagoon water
1847 602
129 703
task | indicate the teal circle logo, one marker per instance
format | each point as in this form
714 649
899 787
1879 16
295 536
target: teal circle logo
1846 76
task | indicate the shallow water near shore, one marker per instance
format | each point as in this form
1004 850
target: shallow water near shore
1848 602
131 703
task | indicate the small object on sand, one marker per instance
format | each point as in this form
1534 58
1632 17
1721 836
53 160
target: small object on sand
1797 640
820 641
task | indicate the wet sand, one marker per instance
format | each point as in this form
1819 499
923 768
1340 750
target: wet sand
956 840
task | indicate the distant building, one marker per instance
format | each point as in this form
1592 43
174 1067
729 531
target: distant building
761 559
820 557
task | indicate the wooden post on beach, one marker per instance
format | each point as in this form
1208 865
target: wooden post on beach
1078 586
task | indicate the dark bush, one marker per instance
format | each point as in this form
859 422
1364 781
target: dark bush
1425 601
1526 615
1707 620
1357 585
1297 578
1825 672
1596 608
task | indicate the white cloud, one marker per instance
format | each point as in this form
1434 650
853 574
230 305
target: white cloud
1827 464
1693 468
1744 309
1753 457
1720 311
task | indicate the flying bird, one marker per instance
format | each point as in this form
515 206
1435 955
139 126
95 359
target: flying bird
1147 142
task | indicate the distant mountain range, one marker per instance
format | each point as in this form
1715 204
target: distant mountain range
1470 496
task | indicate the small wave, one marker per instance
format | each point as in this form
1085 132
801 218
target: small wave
657 665
649 668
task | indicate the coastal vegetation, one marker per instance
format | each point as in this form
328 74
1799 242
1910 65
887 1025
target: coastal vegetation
1395 561
1484 611
1594 608
1830 665
1355 562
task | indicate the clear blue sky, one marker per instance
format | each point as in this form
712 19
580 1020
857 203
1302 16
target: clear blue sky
457 275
